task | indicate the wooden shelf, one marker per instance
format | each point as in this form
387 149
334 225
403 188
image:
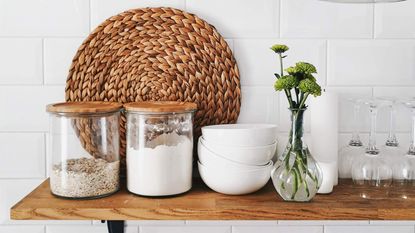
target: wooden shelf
201 203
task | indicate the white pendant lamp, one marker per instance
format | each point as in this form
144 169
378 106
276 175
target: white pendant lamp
362 1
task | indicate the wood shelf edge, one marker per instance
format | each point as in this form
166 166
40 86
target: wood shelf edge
204 204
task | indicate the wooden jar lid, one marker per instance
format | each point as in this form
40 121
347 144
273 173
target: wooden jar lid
160 106
84 107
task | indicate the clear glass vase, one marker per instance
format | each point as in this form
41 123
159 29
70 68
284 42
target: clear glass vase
296 175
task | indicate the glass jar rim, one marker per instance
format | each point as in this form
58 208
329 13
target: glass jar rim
160 107
85 108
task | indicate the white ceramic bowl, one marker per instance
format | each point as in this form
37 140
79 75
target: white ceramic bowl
251 155
241 134
234 182
211 159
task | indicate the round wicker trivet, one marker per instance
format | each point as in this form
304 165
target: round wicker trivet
157 54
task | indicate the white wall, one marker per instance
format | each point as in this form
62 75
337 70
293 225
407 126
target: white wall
358 50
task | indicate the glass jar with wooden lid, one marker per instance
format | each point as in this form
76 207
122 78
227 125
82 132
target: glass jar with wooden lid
159 147
84 145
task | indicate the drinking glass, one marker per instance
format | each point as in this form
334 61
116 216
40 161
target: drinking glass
404 166
391 149
371 167
355 146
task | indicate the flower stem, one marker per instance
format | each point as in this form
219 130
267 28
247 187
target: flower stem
287 92
303 99
296 94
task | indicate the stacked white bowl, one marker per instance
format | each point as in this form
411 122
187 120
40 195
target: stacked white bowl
236 159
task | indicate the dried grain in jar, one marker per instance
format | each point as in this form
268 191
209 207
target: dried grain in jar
84 143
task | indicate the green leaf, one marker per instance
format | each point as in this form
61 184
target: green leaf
277 75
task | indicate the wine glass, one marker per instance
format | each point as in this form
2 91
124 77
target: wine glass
391 149
355 146
404 166
371 167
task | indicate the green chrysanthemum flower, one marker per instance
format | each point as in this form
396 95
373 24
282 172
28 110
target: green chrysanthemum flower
305 68
286 82
309 86
302 69
292 70
310 76
279 48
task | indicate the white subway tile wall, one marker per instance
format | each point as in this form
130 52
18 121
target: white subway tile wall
26 107
369 229
185 229
22 229
235 18
395 21
277 229
19 161
58 55
84 229
42 18
103 9
252 112
16 52
319 19
360 50
248 52
371 62
234 223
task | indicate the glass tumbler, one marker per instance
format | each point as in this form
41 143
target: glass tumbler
84 144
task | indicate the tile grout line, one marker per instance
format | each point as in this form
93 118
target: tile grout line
279 17
226 37
90 15
373 20
244 85
327 64
43 62
22 178
45 144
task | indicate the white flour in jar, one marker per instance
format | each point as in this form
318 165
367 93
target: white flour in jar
163 168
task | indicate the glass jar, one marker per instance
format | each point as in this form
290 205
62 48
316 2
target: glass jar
84 144
159 147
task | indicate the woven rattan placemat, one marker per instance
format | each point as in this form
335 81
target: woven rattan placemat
157 54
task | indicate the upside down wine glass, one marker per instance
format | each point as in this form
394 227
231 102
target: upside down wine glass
355 147
391 149
371 168
404 166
